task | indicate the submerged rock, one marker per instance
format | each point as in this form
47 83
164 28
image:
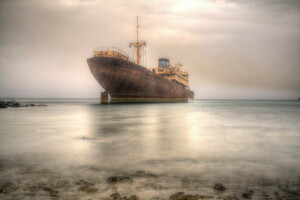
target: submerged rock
115 196
155 186
6 104
133 197
219 187
144 174
16 104
3 104
86 186
8 187
118 179
231 198
13 104
88 189
248 194
53 193
182 196
10 102
84 183
204 197
34 188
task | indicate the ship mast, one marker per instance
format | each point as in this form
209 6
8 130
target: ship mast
138 44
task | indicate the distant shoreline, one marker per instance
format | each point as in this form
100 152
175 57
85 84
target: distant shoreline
65 98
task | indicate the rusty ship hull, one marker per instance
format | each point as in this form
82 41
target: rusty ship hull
127 82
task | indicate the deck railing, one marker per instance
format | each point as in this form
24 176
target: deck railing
111 52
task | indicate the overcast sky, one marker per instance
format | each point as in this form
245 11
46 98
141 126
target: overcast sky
231 48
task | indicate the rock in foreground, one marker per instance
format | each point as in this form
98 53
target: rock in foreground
144 174
52 193
117 196
182 196
118 179
248 194
86 186
219 187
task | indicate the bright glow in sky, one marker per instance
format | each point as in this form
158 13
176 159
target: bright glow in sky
188 5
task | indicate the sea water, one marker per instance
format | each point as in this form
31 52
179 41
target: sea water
72 145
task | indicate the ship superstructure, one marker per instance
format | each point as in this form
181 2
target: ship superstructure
126 81
171 72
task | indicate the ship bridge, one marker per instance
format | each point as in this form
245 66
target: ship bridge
173 73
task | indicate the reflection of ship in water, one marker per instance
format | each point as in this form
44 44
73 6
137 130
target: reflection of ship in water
127 81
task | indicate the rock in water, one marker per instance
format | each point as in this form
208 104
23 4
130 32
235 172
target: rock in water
144 174
118 179
86 186
248 194
88 189
5 104
155 186
8 187
182 196
53 193
133 197
16 104
83 183
115 196
219 187
177 196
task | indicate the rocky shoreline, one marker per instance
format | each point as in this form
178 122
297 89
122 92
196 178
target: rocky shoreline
15 104
115 185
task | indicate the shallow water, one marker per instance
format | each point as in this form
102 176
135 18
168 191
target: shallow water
245 145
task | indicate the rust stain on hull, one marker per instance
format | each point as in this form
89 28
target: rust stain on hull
127 82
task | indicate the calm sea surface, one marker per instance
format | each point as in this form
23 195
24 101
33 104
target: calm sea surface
245 145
